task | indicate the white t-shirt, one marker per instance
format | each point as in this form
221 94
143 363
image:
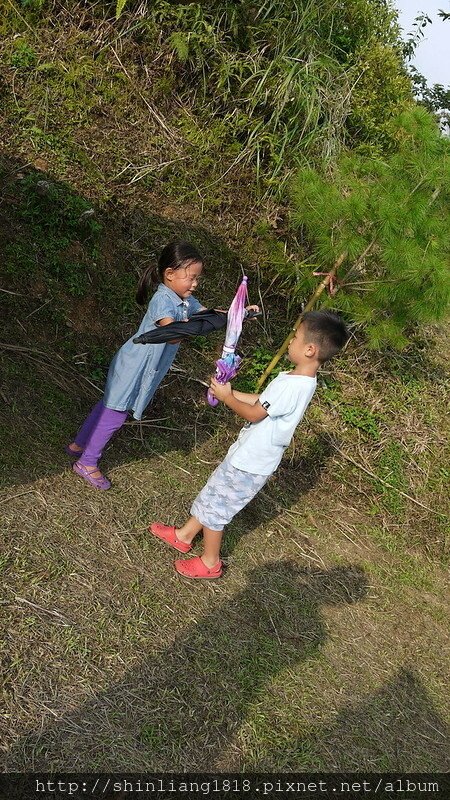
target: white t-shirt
260 445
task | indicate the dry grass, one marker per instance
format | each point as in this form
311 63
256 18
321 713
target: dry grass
321 647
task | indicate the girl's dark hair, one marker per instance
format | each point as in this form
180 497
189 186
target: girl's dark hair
174 256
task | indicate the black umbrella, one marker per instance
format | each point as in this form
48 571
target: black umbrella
199 324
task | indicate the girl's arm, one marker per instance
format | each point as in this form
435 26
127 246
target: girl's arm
167 321
164 321
225 310
204 308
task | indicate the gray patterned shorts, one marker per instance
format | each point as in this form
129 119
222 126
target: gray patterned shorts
227 492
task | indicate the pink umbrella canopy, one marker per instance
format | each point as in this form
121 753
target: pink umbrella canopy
229 363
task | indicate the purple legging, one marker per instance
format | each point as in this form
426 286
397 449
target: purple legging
96 431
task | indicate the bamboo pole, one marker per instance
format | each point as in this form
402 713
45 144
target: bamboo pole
311 302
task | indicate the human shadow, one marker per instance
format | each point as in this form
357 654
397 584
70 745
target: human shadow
291 483
395 729
180 710
68 277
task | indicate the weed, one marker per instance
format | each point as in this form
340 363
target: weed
391 469
33 5
5 560
253 367
55 207
408 571
352 413
151 736
23 57
63 233
118 291
362 419
201 343
385 539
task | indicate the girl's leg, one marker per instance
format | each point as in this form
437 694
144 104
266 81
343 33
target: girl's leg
109 421
83 435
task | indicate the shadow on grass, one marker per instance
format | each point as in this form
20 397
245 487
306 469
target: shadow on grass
395 729
291 482
68 276
182 709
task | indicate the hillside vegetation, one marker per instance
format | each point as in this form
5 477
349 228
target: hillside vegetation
322 646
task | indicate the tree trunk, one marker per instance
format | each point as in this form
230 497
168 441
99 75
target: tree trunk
322 286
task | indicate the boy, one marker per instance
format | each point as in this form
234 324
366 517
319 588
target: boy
272 418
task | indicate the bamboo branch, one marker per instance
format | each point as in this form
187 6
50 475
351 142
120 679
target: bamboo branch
311 302
359 260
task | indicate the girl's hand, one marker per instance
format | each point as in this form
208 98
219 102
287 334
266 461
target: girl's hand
247 308
251 308
220 390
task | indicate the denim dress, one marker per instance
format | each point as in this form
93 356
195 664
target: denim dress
137 369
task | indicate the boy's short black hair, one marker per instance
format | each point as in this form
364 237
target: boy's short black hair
326 330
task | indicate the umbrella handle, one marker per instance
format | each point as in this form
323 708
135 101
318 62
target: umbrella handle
213 401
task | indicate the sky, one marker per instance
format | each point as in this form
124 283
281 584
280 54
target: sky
432 57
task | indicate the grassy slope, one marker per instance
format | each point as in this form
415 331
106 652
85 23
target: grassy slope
322 647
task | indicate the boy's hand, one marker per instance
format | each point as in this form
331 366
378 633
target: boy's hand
220 390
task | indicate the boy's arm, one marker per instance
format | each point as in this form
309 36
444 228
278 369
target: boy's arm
246 397
249 412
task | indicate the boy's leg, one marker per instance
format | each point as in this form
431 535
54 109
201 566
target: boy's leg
189 530
227 492
109 421
212 541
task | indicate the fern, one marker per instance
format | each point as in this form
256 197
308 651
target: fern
180 43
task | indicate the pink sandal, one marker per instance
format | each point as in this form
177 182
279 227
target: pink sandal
196 568
168 535
83 472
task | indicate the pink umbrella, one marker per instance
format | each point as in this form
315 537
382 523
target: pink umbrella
229 363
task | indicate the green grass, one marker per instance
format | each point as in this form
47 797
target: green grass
296 660
405 571
391 469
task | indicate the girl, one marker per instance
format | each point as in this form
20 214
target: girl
137 370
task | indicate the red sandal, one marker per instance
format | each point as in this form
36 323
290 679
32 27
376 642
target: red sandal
168 535
196 568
